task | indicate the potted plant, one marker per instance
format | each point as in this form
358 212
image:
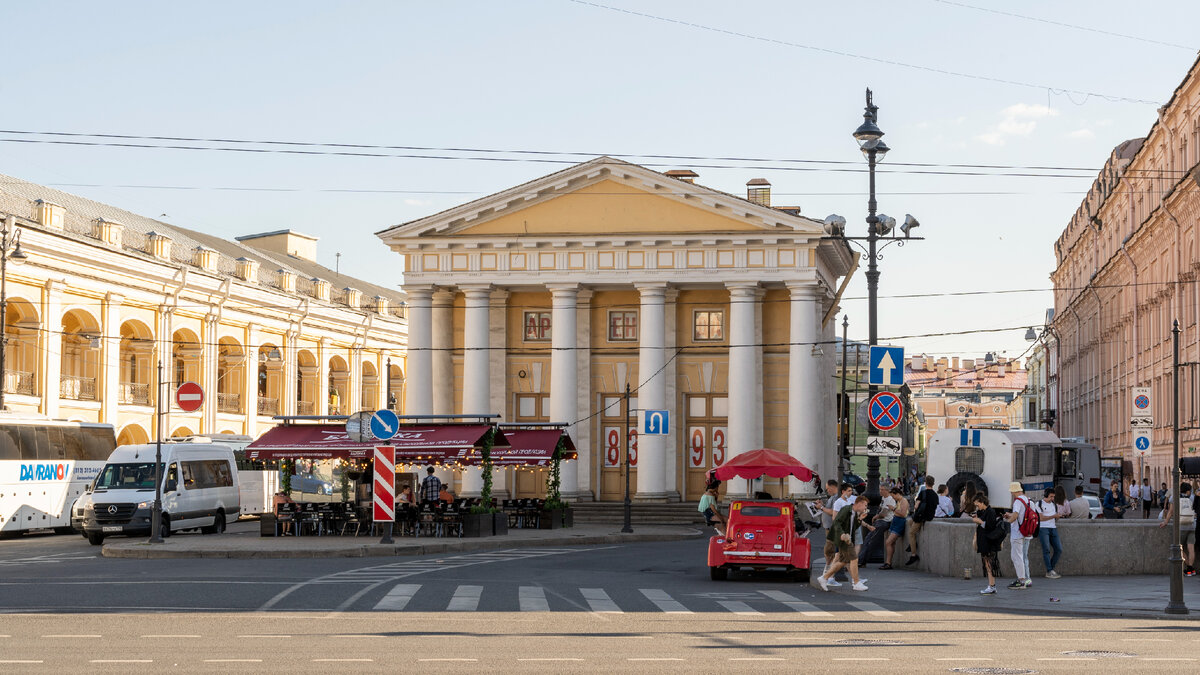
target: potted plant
555 512
485 520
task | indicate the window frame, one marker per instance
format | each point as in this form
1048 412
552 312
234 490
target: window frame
625 327
543 329
719 313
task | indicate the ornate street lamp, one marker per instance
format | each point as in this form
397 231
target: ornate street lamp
17 256
879 227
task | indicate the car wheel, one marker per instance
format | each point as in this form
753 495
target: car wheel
95 538
218 526
718 573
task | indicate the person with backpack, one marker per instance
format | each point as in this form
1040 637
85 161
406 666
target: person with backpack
1023 525
1047 511
989 538
926 506
1188 504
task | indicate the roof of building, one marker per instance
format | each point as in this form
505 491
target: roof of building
20 198
989 378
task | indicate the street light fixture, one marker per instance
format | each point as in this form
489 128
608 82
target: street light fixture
17 256
879 226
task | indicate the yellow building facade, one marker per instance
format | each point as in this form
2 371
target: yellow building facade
542 303
104 296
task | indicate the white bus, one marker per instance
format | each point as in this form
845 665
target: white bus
44 466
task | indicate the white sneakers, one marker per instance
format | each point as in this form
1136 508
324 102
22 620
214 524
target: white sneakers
1053 575
860 586
990 590
824 583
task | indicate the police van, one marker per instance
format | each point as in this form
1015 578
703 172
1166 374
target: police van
992 459
199 491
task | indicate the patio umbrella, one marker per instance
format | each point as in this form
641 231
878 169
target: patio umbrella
763 462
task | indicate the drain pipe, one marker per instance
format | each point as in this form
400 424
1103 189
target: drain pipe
1137 336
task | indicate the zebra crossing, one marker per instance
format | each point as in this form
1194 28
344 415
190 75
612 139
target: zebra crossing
438 597
397 570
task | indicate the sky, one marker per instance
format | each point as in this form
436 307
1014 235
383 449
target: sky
761 84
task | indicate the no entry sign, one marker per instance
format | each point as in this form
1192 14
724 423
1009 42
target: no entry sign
189 396
885 411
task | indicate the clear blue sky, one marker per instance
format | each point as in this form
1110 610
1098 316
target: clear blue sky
566 76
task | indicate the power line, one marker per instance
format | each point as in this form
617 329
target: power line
546 156
873 59
1067 25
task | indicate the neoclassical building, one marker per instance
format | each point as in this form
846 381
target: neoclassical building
1126 270
541 303
105 295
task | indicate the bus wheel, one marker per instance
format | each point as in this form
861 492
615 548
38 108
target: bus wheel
95 538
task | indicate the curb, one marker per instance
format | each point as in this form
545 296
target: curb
145 551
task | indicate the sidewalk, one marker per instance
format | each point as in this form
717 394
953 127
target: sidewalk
243 541
1123 596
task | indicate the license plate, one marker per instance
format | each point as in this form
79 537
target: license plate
113 528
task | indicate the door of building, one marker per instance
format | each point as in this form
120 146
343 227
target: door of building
530 482
613 422
704 443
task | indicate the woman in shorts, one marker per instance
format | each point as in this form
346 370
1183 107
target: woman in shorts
896 529
710 509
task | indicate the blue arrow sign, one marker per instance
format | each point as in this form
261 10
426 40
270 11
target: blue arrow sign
887 366
656 422
384 424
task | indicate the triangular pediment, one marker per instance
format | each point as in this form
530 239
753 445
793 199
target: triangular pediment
603 197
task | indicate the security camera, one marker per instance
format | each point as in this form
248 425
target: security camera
909 225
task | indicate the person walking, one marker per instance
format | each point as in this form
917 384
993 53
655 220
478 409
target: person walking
828 511
842 534
1114 503
1147 497
926 506
989 538
896 528
1187 524
1162 497
1134 494
1017 541
878 529
1048 533
431 487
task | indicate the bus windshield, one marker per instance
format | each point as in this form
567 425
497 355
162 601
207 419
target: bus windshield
132 476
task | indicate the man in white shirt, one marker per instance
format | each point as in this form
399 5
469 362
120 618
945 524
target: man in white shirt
1134 495
1018 542
945 507
1080 509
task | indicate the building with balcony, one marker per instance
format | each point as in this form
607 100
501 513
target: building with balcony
106 296
1126 271
543 302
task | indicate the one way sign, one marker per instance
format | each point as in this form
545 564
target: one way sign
887 366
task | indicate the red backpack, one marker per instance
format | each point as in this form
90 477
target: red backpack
1031 520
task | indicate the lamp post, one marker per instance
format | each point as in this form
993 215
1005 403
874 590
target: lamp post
879 227
1175 605
18 256
844 418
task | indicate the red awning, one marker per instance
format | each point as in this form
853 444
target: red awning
763 461
528 447
426 443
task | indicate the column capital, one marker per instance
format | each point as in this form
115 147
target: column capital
500 294
563 291
443 296
742 289
804 290
584 297
114 298
652 288
476 290
418 293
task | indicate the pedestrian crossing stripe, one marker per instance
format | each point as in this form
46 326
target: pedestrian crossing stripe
467 598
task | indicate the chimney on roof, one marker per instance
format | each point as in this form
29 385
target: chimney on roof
758 190
955 362
1003 367
685 175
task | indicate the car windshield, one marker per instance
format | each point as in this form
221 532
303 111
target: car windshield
132 476
761 511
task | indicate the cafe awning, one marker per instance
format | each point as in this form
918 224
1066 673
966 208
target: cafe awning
417 443
528 447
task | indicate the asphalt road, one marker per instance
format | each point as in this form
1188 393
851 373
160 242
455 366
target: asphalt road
628 608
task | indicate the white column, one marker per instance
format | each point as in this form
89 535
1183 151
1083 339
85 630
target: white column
323 355
51 350
110 356
582 433
745 417
418 365
564 381
442 317
290 373
250 380
804 386
476 398
498 373
208 374
652 391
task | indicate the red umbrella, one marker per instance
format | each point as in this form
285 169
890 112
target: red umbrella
763 462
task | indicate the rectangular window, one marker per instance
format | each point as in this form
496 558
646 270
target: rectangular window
537 326
708 326
622 326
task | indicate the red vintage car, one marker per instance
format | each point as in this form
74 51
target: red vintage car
760 535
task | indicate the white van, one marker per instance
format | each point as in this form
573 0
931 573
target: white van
992 459
200 490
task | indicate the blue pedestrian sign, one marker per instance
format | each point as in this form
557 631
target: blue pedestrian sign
656 422
384 424
1141 442
887 366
